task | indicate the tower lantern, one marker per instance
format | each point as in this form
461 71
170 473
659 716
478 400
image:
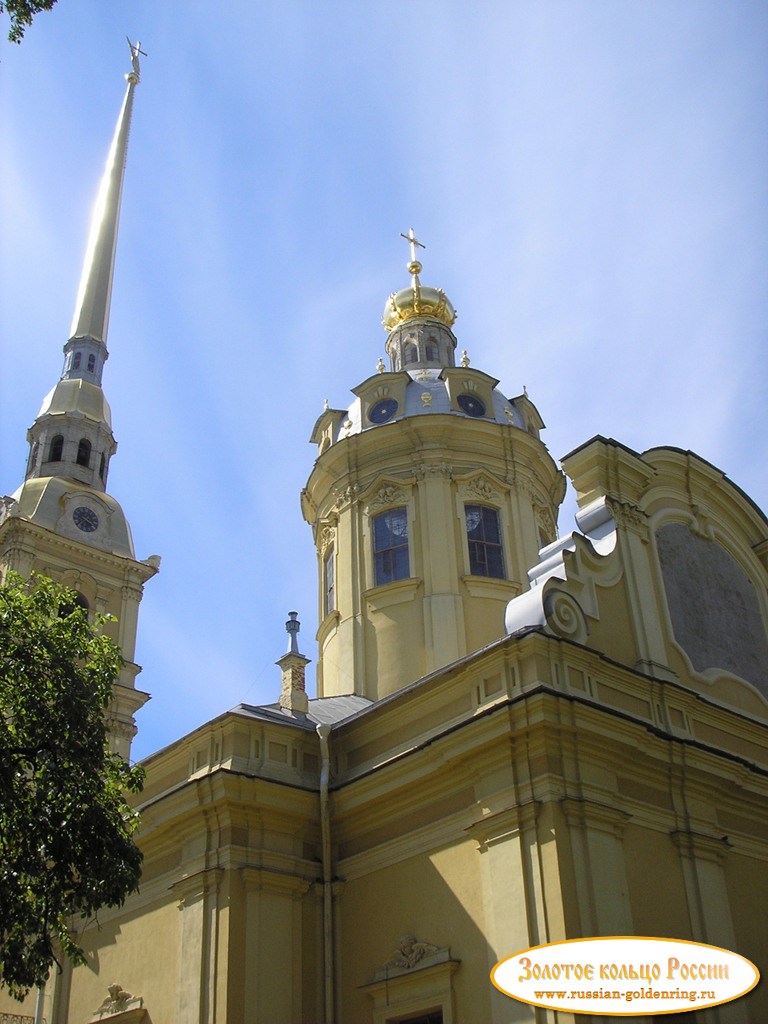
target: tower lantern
430 497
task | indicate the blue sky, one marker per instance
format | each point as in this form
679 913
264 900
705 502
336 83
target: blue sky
590 178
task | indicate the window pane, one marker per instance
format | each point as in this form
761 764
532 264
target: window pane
330 584
390 546
57 449
486 557
84 453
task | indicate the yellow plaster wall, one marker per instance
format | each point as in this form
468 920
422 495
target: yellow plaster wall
656 885
747 881
484 620
396 628
138 950
435 896
25 1008
612 633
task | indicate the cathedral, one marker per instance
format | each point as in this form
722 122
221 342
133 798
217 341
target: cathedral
518 737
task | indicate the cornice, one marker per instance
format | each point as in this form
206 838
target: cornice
50 542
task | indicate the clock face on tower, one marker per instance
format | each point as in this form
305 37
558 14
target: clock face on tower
85 519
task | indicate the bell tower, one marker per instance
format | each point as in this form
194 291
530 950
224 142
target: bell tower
429 498
62 522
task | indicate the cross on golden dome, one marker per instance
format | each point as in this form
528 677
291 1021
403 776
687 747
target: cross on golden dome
414 267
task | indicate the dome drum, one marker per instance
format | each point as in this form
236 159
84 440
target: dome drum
421 341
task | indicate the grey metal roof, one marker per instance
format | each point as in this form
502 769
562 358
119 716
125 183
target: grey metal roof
327 710
425 380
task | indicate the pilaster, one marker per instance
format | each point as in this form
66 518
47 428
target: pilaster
198 904
702 857
600 876
514 906
273 945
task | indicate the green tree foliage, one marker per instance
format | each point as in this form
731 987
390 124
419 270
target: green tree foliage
21 13
65 827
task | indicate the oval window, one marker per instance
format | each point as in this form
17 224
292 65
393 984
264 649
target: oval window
383 410
471 405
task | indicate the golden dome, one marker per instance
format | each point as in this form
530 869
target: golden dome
418 301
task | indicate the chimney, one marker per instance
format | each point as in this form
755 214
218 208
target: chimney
293 693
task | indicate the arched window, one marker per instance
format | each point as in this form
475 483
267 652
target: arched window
78 601
329 584
102 466
91 363
486 557
57 449
390 546
76 360
32 457
430 351
84 452
410 354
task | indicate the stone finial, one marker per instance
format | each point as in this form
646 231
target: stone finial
464 357
380 367
293 692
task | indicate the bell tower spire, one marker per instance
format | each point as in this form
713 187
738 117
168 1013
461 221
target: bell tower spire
62 522
88 334
72 434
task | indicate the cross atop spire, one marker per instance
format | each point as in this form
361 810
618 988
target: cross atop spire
136 50
414 267
411 237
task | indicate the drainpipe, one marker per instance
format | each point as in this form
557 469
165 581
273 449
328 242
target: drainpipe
323 732
39 1019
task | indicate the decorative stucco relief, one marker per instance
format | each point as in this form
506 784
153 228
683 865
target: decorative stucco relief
410 953
386 496
480 488
120 1006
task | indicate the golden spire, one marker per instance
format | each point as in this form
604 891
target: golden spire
91 317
